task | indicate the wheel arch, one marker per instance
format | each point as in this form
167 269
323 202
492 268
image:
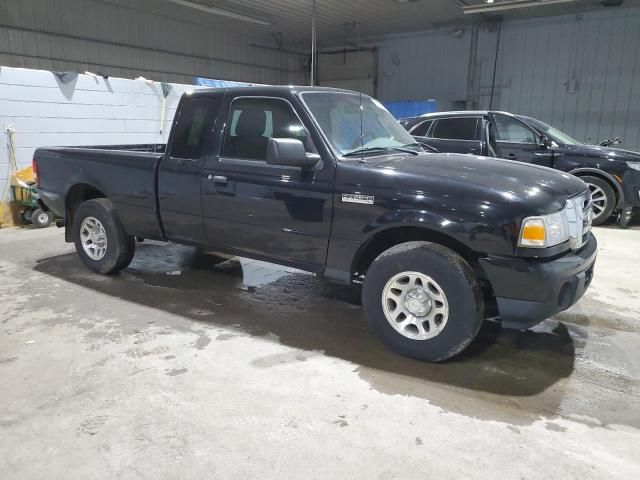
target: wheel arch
78 193
388 237
607 177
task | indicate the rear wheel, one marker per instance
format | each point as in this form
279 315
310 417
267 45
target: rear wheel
99 237
603 198
423 301
40 218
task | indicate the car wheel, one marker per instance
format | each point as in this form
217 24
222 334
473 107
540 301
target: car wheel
40 218
423 301
100 239
603 198
26 216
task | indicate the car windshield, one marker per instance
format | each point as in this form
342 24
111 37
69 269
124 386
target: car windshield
552 132
357 124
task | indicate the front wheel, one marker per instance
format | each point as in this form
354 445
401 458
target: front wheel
100 239
423 301
603 198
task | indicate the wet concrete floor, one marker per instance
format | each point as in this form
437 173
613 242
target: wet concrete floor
188 365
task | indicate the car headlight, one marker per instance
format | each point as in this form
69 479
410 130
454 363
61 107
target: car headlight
544 231
634 165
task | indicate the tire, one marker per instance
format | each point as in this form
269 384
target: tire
624 217
100 239
41 218
603 196
26 216
442 270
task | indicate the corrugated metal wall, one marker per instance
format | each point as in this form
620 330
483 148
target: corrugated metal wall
424 66
540 62
97 36
349 69
579 73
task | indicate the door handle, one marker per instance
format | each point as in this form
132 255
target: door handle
217 179
512 156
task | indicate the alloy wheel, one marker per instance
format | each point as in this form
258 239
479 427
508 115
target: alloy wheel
415 305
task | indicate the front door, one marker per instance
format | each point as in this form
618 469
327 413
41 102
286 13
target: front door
261 209
512 139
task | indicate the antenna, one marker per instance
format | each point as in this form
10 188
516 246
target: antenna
360 96
313 42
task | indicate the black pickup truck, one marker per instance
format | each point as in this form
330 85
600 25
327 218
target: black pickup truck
327 181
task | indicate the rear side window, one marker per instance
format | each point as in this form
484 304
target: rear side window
421 129
190 129
462 128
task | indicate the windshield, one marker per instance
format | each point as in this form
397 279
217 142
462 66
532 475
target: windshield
352 129
552 132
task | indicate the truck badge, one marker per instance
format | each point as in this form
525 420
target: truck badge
357 198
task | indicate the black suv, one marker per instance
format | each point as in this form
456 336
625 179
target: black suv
612 174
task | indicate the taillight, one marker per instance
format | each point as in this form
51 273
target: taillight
34 166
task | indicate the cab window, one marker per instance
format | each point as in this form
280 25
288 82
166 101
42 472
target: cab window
190 127
253 121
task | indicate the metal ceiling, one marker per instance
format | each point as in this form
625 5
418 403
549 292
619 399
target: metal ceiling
336 18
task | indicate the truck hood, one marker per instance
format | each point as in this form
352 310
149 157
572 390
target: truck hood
536 189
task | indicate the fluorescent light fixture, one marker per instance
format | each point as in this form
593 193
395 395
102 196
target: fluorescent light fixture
491 6
219 11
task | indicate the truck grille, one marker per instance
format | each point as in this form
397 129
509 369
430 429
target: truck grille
579 216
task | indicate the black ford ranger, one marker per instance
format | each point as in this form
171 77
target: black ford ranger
327 181
612 174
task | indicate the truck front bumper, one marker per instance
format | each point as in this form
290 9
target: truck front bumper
529 291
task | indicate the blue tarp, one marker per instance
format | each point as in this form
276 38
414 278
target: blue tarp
411 108
210 82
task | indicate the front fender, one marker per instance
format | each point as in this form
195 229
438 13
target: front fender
449 226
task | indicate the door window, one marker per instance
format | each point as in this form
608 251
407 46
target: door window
461 128
253 121
421 129
190 127
510 130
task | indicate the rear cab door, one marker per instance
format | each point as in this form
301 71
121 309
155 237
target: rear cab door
179 173
459 134
262 210
513 139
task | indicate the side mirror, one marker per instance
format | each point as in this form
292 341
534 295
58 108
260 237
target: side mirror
544 142
290 152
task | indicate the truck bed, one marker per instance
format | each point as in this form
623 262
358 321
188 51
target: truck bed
126 174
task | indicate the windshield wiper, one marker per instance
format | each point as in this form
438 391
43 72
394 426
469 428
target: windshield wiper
377 149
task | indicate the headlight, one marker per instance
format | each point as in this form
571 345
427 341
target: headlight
544 231
634 165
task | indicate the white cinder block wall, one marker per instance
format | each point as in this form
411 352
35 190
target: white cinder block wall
86 111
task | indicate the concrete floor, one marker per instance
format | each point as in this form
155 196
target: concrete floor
180 369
